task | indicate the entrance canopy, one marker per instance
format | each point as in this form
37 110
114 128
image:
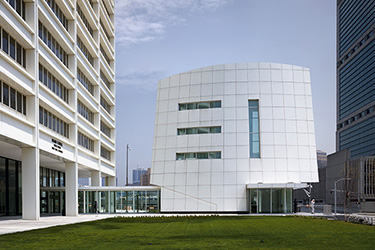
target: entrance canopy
277 185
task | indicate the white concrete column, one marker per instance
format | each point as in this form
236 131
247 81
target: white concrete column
96 180
30 184
71 189
111 181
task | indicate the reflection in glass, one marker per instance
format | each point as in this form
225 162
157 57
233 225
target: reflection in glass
254 129
264 201
278 201
253 201
2 187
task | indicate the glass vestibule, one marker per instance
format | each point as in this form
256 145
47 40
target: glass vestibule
119 201
52 191
271 200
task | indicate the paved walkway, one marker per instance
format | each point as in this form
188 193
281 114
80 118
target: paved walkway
16 224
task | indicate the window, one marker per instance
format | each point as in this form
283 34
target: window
105 30
85 51
53 84
105 129
85 82
105 55
105 80
49 120
18 6
6 94
12 98
105 153
85 142
19 102
254 129
201 130
12 48
59 14
84 20
199 105
54 46
5 41
198 156
46 179
85 112
105 104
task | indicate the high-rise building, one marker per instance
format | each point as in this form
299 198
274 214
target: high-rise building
234 138
145 178
321 157
356 77
57 102
137 173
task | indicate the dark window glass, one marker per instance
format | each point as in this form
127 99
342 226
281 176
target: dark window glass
203 105
18 7
180 156
5 94
40 115
49 80
49 41
40 73
181 131
214 155
19 102
203 130
40 29
215 130
5 42
24 58
49 120
202 155
191 106
19 54
12 98
182 106
199 105
190 156
216 104
24 105
45 122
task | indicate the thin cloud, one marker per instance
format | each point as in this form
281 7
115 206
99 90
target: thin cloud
144 81
140 21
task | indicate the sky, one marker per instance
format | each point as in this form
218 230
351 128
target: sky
159 38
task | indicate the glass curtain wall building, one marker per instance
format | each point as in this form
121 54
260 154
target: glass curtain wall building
356 77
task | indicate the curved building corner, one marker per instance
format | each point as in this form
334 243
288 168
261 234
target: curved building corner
234 138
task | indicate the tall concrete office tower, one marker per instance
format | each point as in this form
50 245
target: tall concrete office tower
356 77
57 110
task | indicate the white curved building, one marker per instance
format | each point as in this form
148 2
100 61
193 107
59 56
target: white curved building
234 138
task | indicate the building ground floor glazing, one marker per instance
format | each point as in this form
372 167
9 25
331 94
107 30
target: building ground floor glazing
53 195
111 199
119 201
271 200
10 187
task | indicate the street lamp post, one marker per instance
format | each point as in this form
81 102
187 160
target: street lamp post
127 163
342 179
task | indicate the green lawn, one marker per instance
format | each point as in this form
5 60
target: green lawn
235 232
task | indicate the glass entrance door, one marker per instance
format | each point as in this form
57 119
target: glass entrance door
271 200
